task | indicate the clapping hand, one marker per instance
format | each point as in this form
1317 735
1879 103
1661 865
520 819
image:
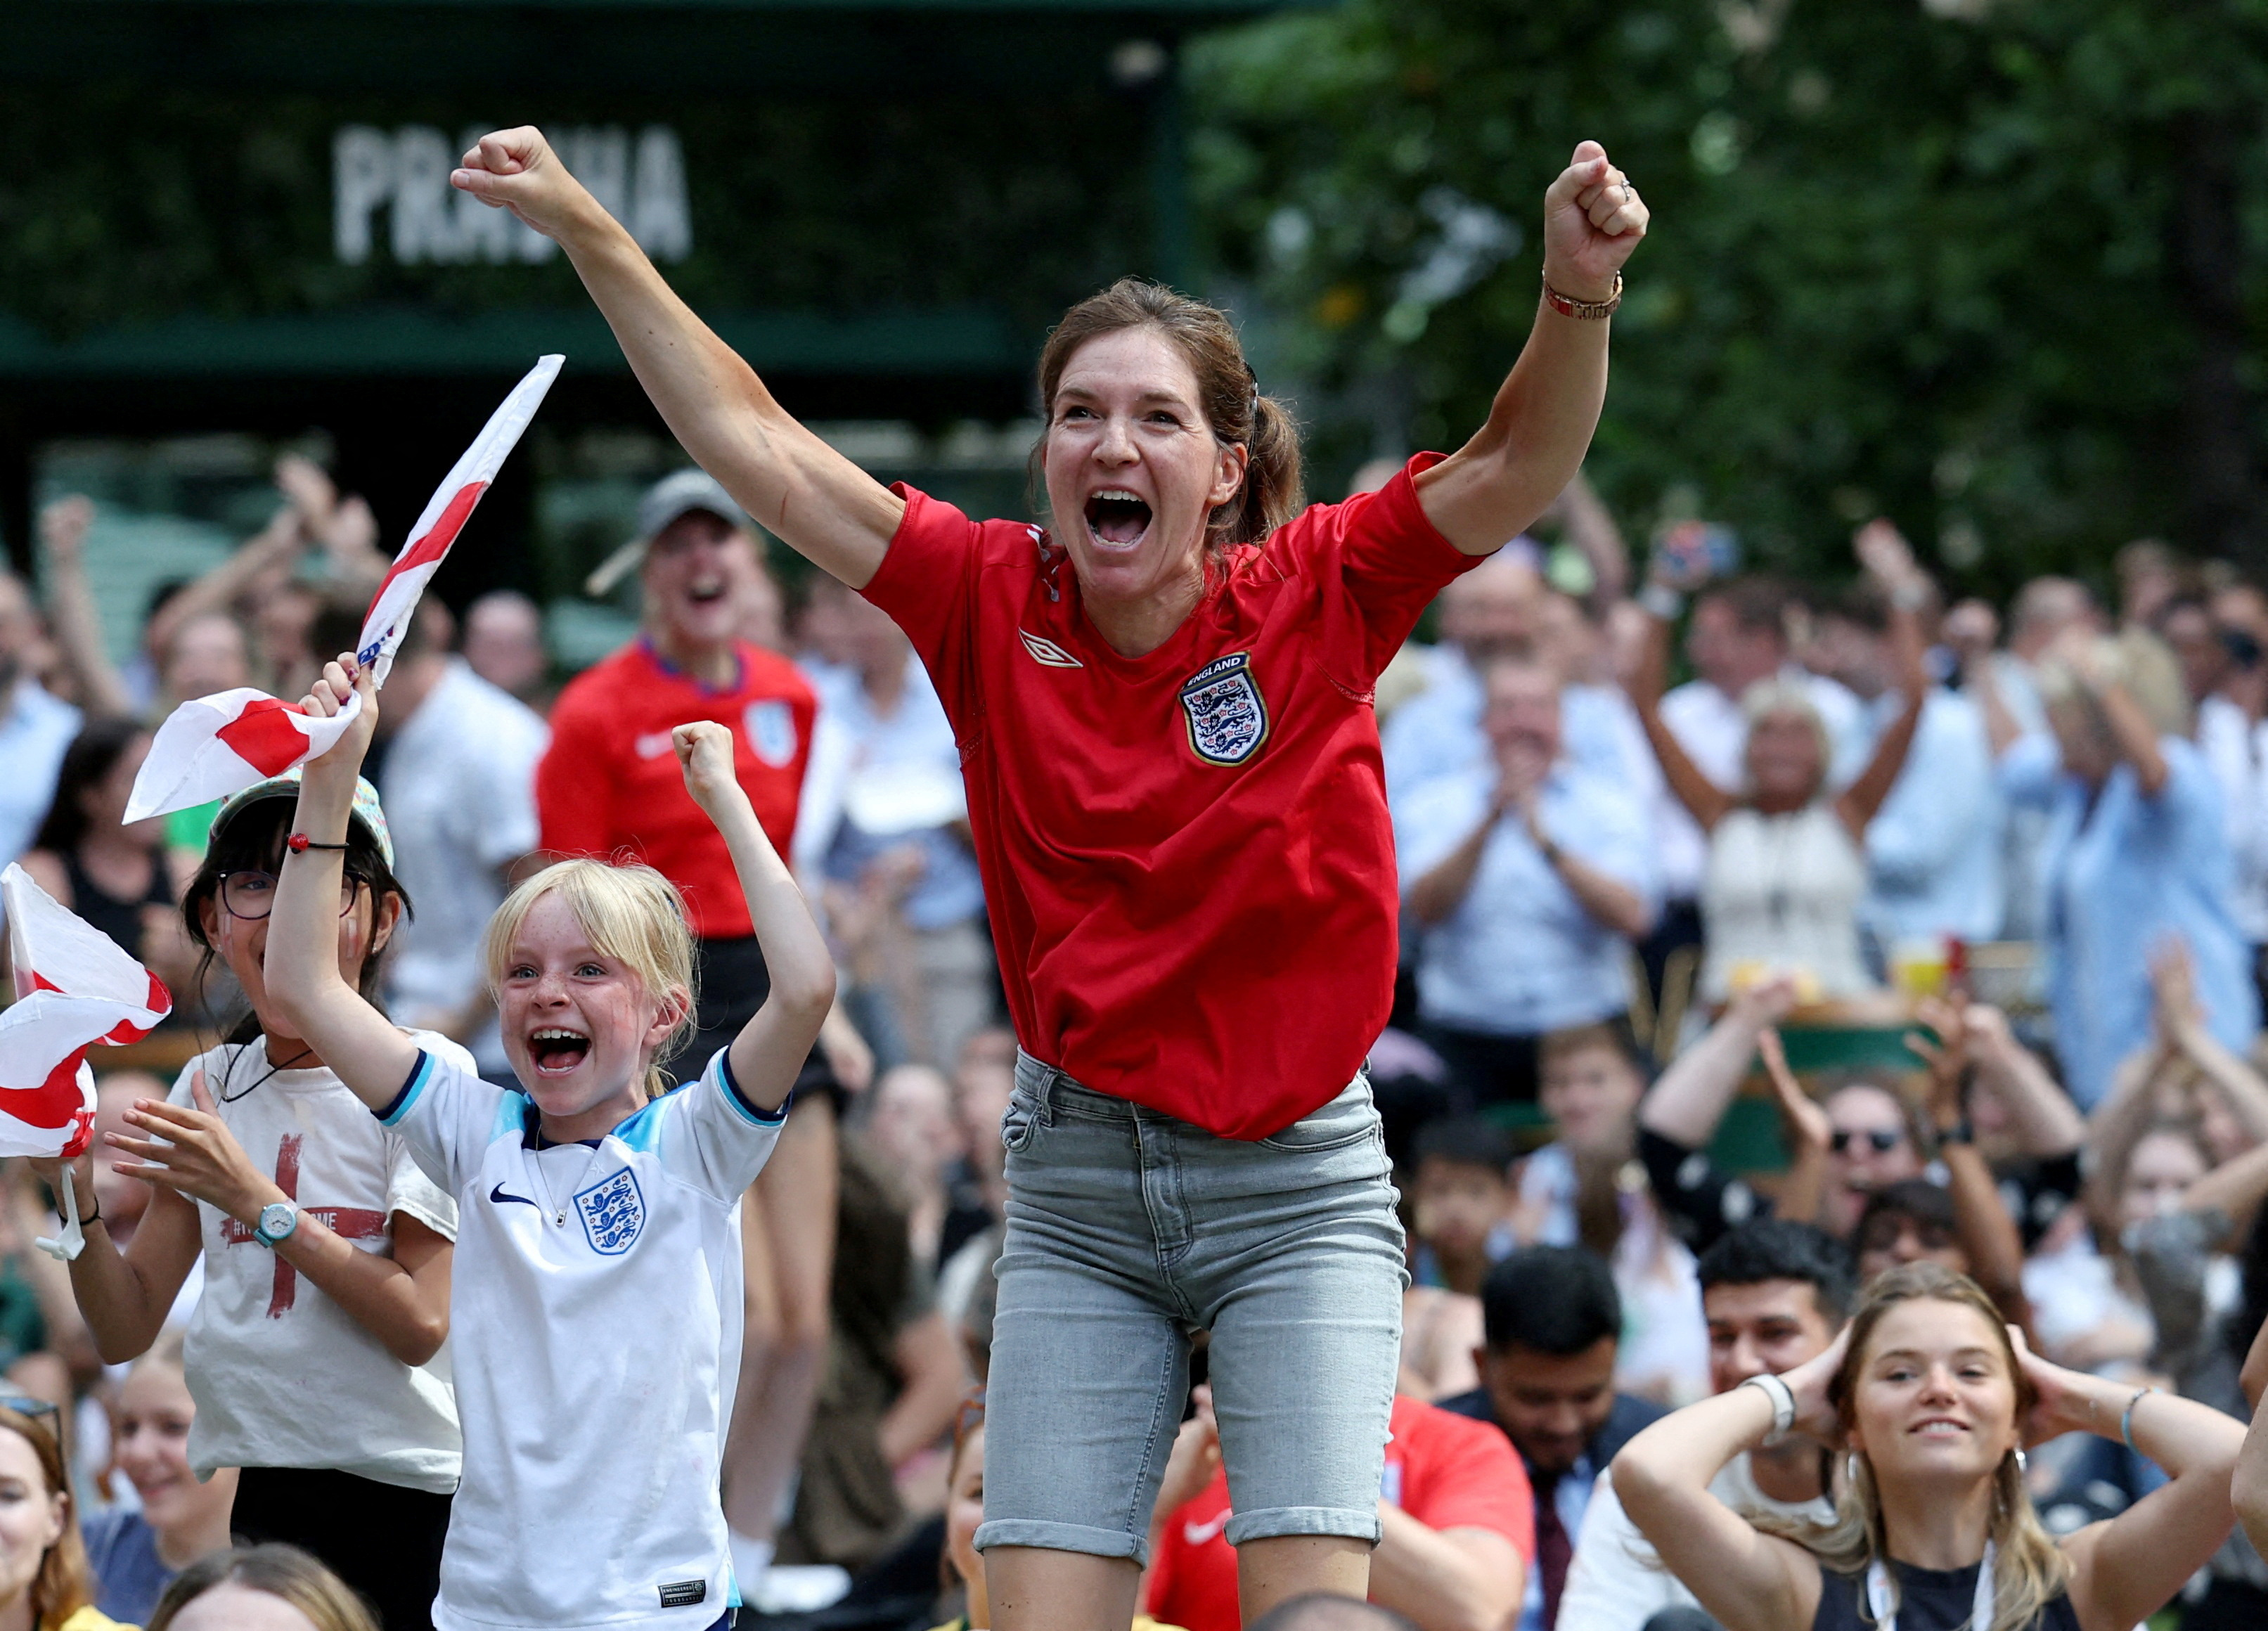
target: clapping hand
1593 219
1806 1121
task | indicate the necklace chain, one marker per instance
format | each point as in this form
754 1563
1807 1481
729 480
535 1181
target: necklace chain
559 1213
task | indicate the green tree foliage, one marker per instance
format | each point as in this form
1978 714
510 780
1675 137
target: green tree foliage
1987 268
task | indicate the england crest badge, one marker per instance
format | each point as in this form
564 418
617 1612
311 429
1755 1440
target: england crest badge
771 725
1228 716
613 1212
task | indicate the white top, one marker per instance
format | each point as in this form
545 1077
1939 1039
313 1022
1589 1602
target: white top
1713 732
282 1375
596 1321
1664 1349
459 791
1784 891
2237 751
1617 1582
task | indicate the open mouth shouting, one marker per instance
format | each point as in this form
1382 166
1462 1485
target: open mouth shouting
707 591
1116 519
554 1050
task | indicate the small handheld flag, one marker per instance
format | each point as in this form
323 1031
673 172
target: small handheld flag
215 745
74 988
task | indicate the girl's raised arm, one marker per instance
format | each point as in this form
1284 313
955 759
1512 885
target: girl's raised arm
301 964
827 510
773 1044
1749 1581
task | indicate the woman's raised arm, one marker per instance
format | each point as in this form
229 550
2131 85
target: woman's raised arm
1540 425
825 507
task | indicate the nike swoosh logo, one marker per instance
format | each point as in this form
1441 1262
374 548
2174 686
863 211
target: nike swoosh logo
1198 1534
498 1196
1047 653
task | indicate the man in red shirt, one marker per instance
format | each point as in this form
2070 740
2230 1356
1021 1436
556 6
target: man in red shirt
609 786
1459 1519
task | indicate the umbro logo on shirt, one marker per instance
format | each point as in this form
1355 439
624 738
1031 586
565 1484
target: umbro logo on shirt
1048 654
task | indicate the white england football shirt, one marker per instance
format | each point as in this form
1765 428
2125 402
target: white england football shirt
595 1322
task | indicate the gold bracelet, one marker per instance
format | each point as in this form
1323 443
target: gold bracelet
1582 310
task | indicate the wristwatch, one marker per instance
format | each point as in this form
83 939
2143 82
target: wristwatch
278 1221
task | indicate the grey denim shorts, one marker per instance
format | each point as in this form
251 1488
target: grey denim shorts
1128 1230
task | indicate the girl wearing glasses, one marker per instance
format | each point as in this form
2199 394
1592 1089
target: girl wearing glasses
44 1584
311 1352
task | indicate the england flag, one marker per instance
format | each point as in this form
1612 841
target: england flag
215 745
74 988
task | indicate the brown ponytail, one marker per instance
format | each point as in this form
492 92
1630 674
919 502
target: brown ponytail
1228 390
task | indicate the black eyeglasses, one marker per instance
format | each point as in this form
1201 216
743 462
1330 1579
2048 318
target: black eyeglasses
251 896
1881 1139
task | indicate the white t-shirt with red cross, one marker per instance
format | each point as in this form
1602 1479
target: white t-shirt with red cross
282 1375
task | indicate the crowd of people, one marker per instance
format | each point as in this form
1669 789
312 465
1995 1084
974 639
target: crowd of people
1814 1146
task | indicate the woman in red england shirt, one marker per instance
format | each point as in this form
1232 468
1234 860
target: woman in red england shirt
1164 712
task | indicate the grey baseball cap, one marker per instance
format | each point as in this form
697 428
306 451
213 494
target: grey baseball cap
677 494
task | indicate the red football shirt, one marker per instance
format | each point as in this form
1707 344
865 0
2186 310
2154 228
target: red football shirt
1187 858
609 781
1446 1470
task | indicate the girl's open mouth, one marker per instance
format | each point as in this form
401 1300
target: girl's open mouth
554 1050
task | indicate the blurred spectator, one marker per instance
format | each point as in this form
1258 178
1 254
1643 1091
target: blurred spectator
1532 877
2004 687
44 1582
1737 640
908 1123
823 631
457 771
1502 608
1460 1528
2136 855
272 1587
135 1554
894 1372
2232 733
1870 1137
2150 579
1553 1321
1933 849
1586 1187
35 729
1461 1202
1787 870
503 643
1440 1334
1774 1294
114 875
763 613
964 1510
884 822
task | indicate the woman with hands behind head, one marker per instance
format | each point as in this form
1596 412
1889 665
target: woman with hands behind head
1175 795
1932 1399
326 1251
598 1332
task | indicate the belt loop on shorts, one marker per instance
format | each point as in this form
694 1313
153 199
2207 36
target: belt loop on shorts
1041 1079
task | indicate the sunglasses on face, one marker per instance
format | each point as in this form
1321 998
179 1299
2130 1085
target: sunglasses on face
251 896
1880 1140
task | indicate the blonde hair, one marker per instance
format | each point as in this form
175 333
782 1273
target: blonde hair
2031 1570
633 914
1777 698
2133 659
279 1571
